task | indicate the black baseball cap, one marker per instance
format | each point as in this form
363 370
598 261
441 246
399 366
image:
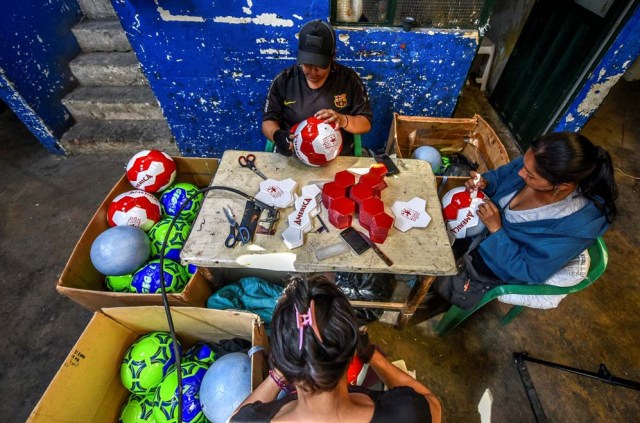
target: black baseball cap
316 44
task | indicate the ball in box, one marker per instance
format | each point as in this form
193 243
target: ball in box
137 409
151 170
177 237
316 143
165 408
146 362
119 283
225 385
120 250
134 208
175 196
147 279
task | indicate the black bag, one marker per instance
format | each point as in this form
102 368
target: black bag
368 287
467 288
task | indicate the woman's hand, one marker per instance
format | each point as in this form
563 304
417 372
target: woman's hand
475 182
490 216
331 116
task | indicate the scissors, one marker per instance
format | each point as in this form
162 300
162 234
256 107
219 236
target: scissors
250 161
236 232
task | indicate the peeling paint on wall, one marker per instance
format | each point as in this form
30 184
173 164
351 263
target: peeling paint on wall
596 94
213 98
624 49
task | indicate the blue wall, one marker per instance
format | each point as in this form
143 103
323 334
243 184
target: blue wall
623 51
210 64
36 45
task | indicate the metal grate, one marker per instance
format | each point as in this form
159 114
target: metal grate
427 13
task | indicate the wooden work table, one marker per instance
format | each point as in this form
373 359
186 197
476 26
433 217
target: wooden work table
419 251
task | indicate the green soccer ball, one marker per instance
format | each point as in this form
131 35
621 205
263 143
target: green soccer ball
119 283
175 242
137 409
176 195
147 279
165 404
147 362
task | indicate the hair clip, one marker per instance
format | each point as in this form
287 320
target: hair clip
307 319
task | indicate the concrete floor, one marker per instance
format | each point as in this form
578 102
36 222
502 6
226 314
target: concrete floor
48 200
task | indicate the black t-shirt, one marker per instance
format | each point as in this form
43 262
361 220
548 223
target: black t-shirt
401 404
290 99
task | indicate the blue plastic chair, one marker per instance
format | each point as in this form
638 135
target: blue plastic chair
599 259
357 145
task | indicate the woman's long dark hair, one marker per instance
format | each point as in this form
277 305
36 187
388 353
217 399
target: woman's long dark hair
569 157
317 366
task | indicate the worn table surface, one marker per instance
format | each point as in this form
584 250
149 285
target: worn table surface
424 251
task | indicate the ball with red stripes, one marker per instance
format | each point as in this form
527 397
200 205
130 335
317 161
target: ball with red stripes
151 170
134 208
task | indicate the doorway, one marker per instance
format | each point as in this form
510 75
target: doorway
558 43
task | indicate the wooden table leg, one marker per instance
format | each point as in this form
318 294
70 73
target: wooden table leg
417 294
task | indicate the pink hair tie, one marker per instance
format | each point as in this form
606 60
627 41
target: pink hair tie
307 319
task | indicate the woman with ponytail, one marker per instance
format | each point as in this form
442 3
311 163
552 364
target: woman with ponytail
545 208
314 338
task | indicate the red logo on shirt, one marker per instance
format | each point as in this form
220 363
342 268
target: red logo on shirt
340 100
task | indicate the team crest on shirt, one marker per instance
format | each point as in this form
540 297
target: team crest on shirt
340 100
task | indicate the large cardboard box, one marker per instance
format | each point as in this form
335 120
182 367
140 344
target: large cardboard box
87 388
472 137
81 282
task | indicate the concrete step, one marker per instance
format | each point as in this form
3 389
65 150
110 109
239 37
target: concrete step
106 136
113 103
102 35
107 69
97 9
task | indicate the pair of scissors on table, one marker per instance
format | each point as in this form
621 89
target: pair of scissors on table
236 232
250 161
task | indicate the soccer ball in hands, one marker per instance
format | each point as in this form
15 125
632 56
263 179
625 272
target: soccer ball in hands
134 208
460 212
146 362
151 170
316 143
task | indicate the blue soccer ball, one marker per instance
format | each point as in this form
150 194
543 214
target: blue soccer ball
226 384
429 154
165 409
120 250
147 279
176 195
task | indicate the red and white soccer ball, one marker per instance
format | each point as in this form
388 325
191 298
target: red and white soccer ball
134 208
316 143
459 210
151 170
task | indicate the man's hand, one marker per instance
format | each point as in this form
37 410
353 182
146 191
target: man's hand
282 139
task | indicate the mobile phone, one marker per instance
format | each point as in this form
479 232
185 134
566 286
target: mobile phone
355 241
392 169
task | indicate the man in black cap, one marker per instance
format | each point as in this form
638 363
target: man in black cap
316 86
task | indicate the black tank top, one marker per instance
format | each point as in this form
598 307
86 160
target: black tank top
401 404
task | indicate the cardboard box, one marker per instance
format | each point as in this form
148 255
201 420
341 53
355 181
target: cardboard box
87 387
82 283
473 138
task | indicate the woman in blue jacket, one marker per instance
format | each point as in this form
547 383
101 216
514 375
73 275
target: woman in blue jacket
546 207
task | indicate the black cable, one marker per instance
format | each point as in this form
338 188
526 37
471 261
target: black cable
165 299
